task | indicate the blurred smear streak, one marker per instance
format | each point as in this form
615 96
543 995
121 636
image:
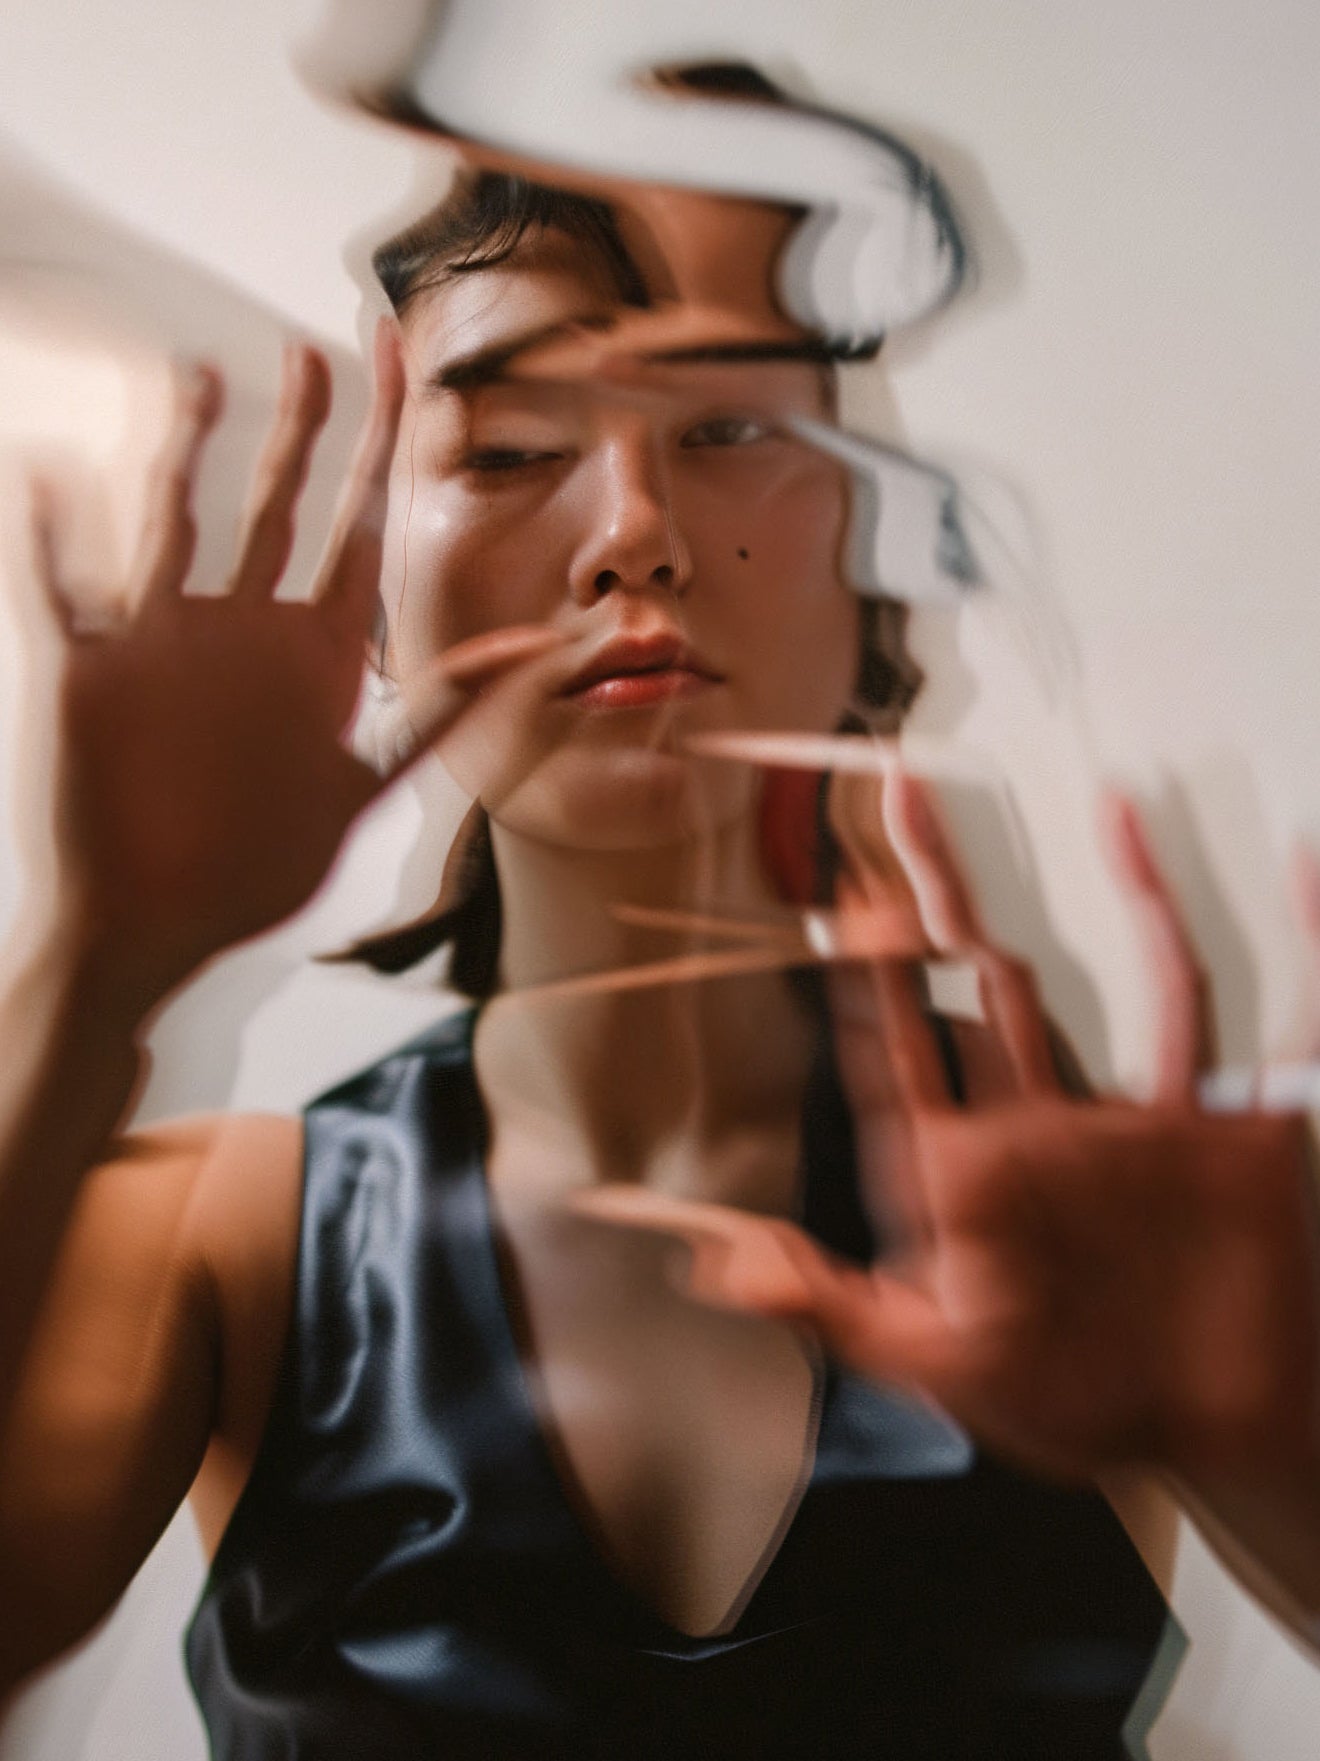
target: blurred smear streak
868 755
907 539
879 244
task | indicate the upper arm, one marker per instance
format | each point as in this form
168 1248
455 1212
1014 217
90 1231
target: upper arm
120 1392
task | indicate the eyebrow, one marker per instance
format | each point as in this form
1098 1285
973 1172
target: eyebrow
815 352
481 366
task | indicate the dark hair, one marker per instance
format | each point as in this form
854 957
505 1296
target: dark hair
480 224
485 215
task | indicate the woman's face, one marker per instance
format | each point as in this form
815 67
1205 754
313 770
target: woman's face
657 516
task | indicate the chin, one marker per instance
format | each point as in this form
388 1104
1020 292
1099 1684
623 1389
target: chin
638 799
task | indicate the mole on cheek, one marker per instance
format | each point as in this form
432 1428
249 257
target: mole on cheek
742 553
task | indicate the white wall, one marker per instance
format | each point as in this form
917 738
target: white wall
1132 394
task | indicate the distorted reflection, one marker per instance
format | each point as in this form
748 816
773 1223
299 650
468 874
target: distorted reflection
701 1343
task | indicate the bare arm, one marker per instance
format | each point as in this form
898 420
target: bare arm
187 786
71 1065
111 1417
151 838
154 1354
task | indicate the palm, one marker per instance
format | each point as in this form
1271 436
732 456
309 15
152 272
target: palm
195 784
1082 1283
203 779
1095 1282
1105 1283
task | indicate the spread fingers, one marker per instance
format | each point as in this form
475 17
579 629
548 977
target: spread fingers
281 472
169 530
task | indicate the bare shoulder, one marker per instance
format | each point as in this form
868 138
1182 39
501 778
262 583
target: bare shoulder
230 1176
162 1171
195 1215
238 1180
246 1205
202 1145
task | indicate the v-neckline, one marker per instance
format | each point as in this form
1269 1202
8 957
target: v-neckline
519 1378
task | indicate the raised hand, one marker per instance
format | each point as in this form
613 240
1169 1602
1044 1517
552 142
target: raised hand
188 781
1085 1283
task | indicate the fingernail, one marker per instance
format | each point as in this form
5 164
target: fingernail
1115 804
1123 821
198 388
297 362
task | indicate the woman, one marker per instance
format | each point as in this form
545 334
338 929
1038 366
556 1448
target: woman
477 1477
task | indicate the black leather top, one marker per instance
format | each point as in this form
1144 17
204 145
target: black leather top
405 1574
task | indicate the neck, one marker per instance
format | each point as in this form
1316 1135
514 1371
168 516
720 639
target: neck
672 1083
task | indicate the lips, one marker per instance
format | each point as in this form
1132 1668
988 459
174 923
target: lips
633 670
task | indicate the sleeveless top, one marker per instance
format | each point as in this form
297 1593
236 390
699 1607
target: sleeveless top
405 1575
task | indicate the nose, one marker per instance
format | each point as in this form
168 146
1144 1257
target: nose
630 538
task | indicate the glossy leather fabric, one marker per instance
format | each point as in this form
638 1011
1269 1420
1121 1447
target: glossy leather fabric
405 1575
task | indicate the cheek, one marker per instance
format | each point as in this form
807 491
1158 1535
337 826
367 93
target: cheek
455 568
795 624
799 532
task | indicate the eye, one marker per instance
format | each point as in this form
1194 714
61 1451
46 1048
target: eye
507 458
726 431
